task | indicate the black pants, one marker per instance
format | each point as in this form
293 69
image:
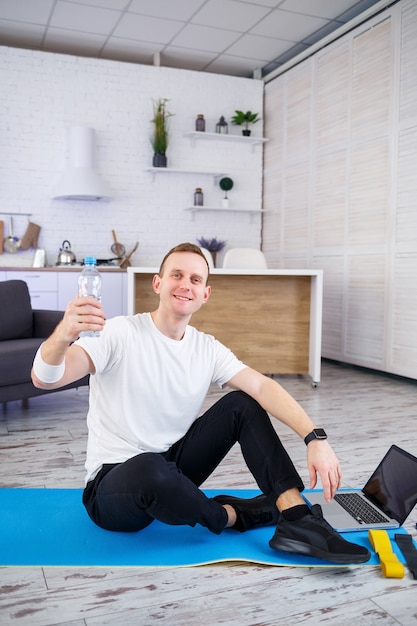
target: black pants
128 496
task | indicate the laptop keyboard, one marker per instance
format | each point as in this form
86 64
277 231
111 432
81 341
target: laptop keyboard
359 509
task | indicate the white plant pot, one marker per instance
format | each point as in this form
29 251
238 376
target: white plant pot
225 203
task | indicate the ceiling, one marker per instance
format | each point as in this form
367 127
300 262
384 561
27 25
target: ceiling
235 37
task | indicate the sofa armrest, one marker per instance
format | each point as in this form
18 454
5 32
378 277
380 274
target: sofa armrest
44 322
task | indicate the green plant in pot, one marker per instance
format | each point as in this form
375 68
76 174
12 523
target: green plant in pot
159 138
226 184
244 119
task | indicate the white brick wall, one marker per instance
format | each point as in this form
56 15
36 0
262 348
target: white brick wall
43 94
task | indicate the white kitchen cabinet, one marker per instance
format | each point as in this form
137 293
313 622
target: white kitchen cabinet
52 290
42 287
114 296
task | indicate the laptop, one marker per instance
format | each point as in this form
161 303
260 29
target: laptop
385 501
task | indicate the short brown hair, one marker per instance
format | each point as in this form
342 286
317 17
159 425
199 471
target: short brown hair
184 247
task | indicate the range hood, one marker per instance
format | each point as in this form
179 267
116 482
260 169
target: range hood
81 181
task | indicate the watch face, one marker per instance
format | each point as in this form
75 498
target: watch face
320 433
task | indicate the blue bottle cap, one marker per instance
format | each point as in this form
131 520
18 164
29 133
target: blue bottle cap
90 260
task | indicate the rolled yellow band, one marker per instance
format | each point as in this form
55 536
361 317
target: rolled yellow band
390 565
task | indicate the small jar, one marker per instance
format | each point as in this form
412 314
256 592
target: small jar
200 123
198 197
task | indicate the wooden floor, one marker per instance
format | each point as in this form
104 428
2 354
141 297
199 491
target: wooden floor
43 445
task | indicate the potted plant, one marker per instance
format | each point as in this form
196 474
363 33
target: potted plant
159 138
240 118
226 184
213 245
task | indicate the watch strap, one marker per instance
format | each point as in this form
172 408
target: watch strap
409 550
311 436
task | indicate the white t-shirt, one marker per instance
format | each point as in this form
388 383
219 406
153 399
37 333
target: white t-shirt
148 389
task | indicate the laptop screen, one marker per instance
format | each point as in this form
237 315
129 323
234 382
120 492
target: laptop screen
393 485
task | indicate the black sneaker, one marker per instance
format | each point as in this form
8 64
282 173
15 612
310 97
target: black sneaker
251 512
313 536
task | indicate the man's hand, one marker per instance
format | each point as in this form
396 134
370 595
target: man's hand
82 314
322 460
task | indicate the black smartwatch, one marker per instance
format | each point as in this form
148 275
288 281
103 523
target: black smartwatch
317 433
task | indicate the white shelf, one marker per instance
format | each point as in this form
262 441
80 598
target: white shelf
229 209
196 135
14 213
172 170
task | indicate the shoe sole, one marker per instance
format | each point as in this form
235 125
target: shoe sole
297 547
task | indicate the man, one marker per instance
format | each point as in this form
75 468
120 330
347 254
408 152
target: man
148 451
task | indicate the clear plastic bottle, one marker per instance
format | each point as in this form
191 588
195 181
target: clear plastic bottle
89 284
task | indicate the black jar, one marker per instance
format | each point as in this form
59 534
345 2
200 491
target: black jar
200 123
198 197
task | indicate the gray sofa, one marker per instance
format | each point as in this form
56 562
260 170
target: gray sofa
22 330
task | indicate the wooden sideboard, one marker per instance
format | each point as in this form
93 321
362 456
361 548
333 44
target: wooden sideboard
271 319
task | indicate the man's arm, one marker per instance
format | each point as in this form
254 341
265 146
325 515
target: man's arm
81 314
280 404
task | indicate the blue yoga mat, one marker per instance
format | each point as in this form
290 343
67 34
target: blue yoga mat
50 527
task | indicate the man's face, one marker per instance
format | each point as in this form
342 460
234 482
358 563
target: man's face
182 287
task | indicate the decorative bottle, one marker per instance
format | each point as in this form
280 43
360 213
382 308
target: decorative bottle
89 284
200 123
198 197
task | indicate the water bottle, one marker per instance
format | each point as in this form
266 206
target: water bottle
89 284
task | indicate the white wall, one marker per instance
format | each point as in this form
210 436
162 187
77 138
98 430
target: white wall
44 94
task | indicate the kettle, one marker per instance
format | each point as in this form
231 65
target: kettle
66 256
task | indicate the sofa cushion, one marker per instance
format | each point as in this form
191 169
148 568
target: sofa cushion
16 318
16 358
